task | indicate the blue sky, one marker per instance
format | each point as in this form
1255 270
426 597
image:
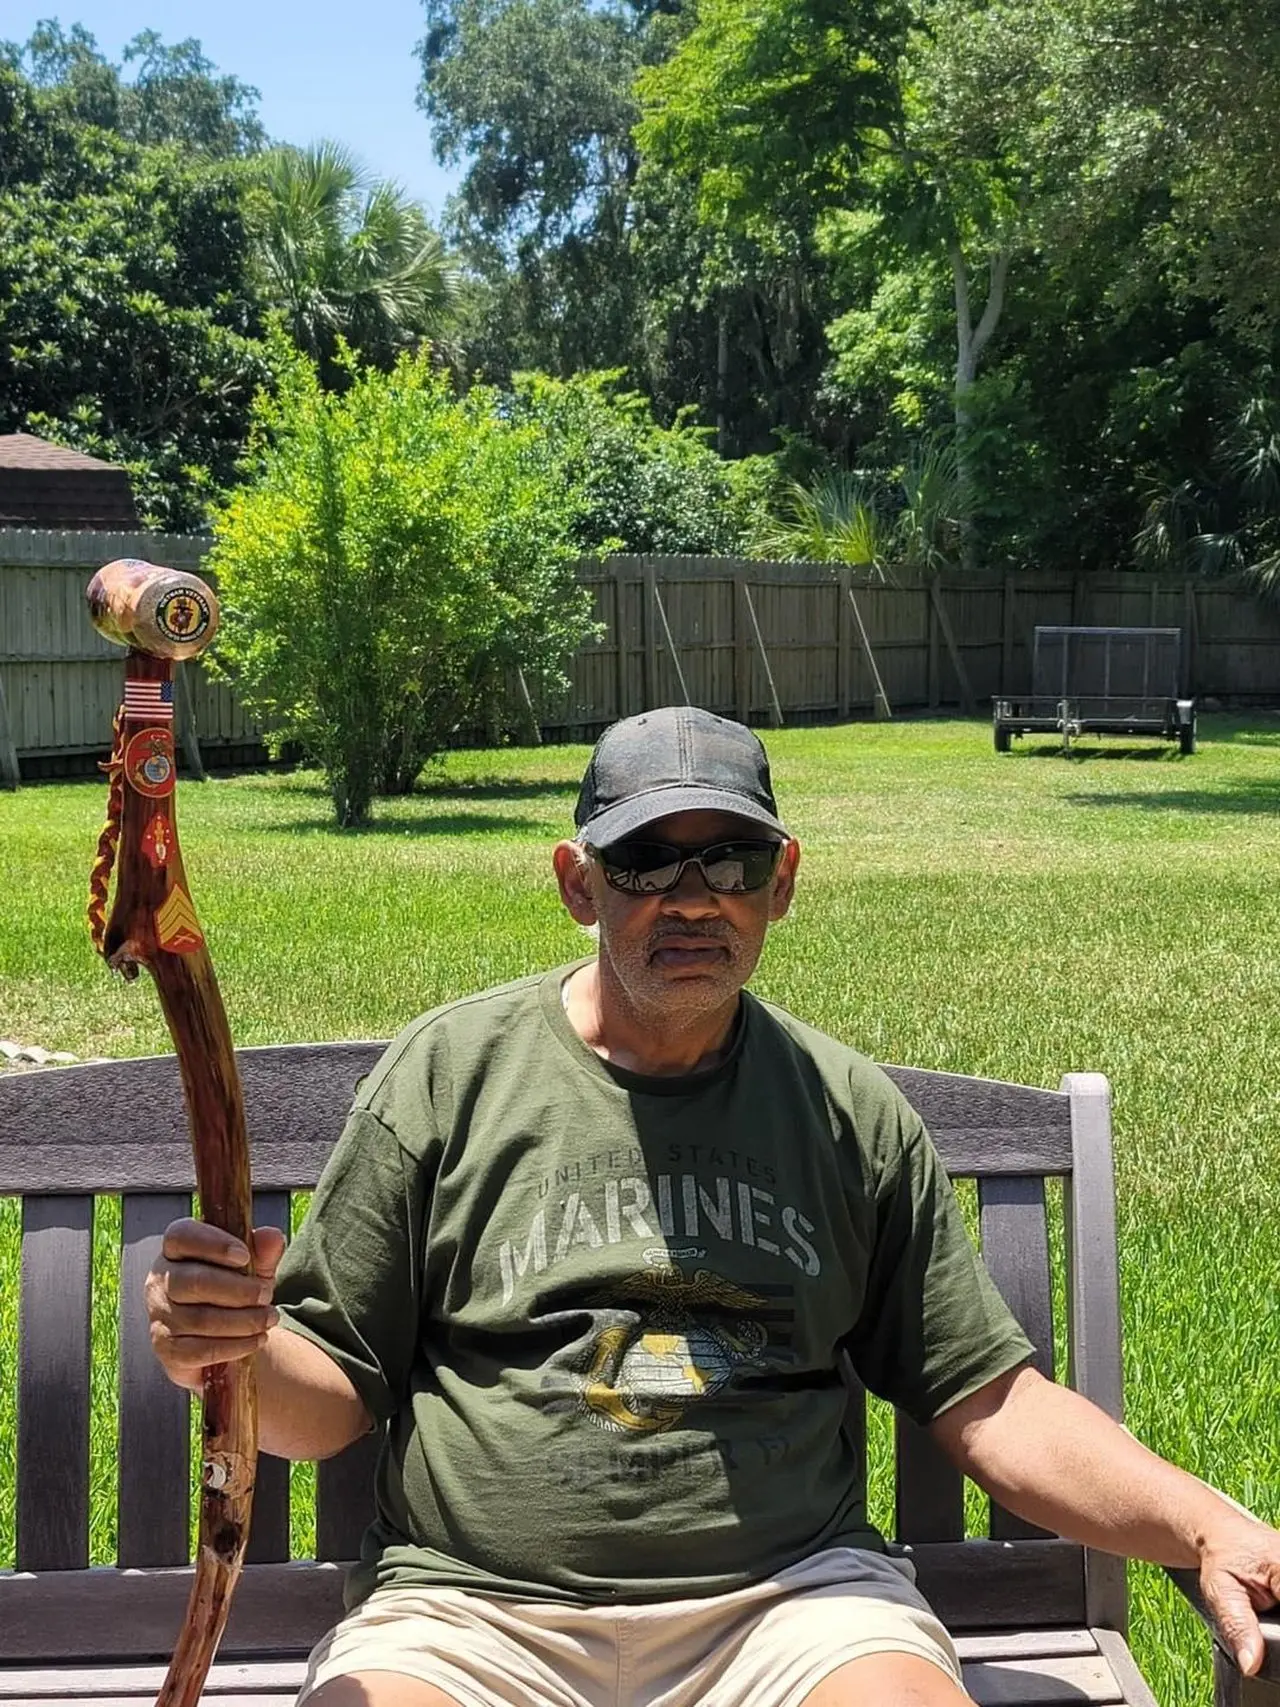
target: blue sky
347 72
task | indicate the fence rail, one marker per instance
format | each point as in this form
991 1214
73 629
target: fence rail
765 642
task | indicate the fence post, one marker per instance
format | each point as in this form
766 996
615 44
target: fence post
620 645
671 645
934 683
953 651
774 701
650 637
533 729
9 773
1006 647
190 735
844 645
882 708
741 646
1191 638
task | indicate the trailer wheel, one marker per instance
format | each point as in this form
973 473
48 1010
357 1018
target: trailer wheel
1187 737
1004 738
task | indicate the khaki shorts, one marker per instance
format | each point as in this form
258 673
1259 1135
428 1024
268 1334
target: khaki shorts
767 1645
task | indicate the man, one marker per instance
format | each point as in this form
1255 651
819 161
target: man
591 1248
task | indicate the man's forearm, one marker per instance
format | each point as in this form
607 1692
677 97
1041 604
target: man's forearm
307 1408
1058 1461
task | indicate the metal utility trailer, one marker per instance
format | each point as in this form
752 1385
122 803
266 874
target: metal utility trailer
1101 681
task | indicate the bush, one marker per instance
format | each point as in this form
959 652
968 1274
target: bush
643 488
395 553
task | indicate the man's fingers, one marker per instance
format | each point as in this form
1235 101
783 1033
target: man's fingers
207 1321
189 1353
189 1239
191 1283
1232 1607
268 1248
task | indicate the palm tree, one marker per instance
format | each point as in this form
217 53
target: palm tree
342 255
836 521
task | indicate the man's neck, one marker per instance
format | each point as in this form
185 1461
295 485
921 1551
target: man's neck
598 1010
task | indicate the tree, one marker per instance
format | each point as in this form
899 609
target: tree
128 320
537 95
175 95
639 487
868 121
345 258
394 552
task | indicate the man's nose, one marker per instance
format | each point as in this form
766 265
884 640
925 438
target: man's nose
691 896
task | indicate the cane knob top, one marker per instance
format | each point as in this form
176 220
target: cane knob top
169 613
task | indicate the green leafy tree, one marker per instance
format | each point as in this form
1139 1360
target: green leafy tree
640 487
866 125
128 319
343 257
536 96
583 257
174 94
395 551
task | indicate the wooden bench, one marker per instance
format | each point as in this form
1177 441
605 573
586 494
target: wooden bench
1037 1619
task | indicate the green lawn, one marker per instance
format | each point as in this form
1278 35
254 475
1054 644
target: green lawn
1016 917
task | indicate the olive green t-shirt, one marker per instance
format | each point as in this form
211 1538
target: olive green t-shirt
602 1315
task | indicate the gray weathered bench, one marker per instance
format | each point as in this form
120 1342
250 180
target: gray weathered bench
1037 1619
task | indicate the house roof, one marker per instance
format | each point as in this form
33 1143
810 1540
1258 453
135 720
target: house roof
43 485
25 450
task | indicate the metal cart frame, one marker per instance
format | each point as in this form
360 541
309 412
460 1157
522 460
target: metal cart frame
1100 681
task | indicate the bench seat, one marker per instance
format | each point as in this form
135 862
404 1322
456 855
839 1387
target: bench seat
1027 1669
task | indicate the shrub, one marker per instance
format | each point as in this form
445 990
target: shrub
395 552
643 487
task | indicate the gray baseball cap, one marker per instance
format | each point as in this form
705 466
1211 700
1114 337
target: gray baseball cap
676 759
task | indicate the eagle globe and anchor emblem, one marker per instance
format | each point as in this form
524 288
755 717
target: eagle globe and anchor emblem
644 1374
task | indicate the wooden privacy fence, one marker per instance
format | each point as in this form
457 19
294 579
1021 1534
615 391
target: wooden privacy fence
773 642
764 642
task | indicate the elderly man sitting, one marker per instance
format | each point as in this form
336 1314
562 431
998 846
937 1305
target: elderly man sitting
591 1247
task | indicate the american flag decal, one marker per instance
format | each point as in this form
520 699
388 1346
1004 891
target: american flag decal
152 700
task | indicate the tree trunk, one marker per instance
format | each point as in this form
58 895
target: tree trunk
971 341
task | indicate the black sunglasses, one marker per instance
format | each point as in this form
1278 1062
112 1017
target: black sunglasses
655 868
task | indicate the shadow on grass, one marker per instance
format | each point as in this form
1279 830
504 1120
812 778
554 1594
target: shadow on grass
504 788
399 824
1255 801
1088 755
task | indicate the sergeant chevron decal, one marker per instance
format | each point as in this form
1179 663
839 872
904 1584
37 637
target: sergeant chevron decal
176 923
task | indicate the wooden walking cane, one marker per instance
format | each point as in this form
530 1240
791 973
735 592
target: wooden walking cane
163 615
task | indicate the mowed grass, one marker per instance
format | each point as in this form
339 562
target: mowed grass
1015 917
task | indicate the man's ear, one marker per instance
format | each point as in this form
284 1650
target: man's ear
571 866
784 881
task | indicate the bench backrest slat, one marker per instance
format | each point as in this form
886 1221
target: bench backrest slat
344 1499
121 1125
53 1383
1015 1248
154 1476
269 1529
928 1490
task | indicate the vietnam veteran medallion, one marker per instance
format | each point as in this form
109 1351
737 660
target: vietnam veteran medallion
183 614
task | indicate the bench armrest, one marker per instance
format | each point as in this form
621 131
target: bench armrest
1224 1665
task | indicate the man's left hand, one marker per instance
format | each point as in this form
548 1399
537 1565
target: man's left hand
1240 1577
